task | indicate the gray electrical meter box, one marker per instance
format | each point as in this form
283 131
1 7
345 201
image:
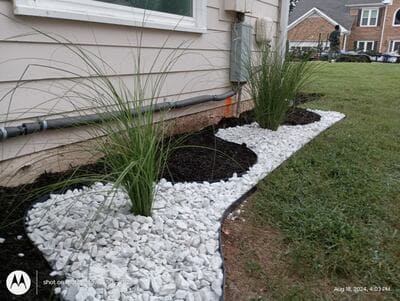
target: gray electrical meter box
240 52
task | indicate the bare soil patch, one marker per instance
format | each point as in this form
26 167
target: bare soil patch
258 267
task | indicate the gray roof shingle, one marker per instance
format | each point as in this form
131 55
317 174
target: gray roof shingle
335 9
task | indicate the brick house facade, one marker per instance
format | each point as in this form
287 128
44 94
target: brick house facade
313 31
366 25
392 28
381 35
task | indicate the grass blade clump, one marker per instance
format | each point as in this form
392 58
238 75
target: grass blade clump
273 82
134 153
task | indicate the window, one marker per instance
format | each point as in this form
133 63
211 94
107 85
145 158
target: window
178 7
365 46
369 17
395 47
181 15
396 19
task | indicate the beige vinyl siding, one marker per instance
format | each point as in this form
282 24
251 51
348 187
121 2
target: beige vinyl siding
46 97
203 69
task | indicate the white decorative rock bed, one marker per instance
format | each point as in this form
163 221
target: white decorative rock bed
173 255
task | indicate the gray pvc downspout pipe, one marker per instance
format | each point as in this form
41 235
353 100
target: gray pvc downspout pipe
66 122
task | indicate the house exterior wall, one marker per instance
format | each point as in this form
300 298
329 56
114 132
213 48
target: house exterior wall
311 29
203 68
359 33
391 33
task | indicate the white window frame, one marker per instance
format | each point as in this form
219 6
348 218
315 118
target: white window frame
394 18
102 12
365 45
369 9
392 46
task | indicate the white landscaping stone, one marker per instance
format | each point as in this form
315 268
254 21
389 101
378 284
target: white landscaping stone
144 283
181 283
172 255
156 284
116 273
71 293
118 236
145 296
168 289
189 297
85 294
217 286
181 294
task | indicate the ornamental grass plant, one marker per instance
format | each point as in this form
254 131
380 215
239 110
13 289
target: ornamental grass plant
131 144
273 82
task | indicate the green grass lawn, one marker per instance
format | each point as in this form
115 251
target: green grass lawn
336 203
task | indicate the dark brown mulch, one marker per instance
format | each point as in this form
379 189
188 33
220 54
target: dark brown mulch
14 203
210 159
12 212
204 157
296 116
301 116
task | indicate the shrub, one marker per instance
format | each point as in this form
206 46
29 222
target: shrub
360 58
273 82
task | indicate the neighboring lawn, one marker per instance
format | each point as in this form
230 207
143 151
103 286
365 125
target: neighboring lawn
330 216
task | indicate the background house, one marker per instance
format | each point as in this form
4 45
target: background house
112 30
366 25
376 25
311 22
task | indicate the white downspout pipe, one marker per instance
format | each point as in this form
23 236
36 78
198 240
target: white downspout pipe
344 42
383 29
283 24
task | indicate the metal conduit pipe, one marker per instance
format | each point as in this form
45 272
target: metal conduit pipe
66 122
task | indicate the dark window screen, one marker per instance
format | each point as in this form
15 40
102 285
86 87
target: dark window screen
397 18
177 7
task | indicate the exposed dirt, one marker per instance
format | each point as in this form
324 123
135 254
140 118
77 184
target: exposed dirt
256 263
251 256
257 266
